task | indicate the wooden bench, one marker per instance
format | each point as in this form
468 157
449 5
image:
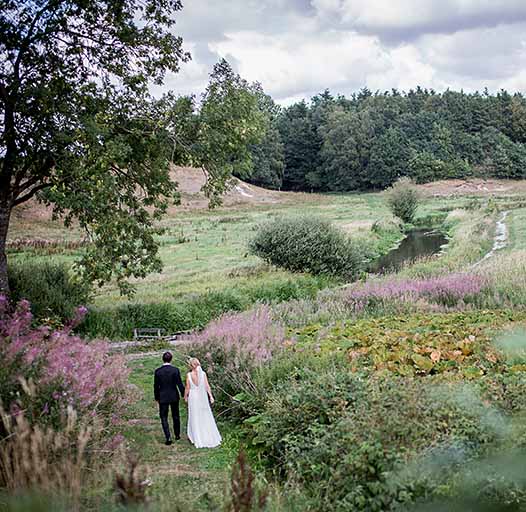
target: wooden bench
147 333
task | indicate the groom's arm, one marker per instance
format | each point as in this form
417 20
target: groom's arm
179 382
156 387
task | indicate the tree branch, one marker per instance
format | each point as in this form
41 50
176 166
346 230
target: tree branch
25 43
30 194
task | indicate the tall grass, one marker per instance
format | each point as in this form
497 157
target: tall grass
38 459
506 273
195 311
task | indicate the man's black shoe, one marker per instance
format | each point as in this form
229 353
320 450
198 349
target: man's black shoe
168 442
177 438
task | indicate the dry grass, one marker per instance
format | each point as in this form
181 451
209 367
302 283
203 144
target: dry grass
44 460
243 494
130 488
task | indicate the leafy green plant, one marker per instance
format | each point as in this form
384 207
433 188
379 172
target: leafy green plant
360 442
51 288
454 343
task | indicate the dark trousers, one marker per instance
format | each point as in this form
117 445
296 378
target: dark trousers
163 413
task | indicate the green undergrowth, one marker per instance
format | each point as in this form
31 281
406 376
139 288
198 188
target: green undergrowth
388 413
194 311
418 344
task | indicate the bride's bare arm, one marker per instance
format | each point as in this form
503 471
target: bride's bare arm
208 390
187 388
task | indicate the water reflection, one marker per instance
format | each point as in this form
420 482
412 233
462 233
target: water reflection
418 243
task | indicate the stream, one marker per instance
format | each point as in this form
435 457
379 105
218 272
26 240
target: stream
417 243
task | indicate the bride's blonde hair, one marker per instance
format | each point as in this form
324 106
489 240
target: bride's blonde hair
193 362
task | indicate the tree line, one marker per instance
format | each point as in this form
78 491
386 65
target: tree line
368 141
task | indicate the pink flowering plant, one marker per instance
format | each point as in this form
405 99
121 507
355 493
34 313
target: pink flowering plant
44 371
233 347
456 291
449 290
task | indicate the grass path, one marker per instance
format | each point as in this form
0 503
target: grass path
181 475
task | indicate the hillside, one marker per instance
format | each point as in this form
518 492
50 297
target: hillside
191 181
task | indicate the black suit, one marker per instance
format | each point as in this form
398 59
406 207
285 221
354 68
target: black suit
167 385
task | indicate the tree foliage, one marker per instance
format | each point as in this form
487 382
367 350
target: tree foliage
218 136
78 124
80 131
370 140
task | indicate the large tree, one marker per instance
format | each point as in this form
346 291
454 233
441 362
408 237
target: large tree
80 132
216 134
77 124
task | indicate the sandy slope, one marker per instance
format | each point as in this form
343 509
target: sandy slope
190 182
475 186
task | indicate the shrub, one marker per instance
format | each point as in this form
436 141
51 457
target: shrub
358 442
50 288
307 244
403 199
44 372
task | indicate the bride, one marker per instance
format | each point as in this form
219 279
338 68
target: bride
202 430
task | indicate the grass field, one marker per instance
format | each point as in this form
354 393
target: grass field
207 268
206 250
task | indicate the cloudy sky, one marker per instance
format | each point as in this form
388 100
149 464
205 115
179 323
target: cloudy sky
297 48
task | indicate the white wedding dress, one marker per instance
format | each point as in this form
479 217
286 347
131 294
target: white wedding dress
202 429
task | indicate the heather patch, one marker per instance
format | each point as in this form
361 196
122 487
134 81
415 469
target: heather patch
45 371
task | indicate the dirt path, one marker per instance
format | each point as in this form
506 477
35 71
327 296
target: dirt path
500 240
178 474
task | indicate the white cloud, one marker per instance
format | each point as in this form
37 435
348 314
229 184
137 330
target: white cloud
295 64
297 48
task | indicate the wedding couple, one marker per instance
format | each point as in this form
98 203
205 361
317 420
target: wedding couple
168 387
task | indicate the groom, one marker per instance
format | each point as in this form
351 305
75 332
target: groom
167 385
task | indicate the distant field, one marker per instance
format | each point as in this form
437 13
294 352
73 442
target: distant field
205 250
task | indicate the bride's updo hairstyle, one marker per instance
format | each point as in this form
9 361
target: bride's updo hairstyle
193 362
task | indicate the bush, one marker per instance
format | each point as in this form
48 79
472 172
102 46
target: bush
51 289
360 442
306 244
403 199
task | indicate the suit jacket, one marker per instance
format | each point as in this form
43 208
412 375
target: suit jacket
167 384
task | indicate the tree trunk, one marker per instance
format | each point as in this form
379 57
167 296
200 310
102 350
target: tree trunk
5 213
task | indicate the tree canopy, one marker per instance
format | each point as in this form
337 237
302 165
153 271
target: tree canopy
370 140
80 131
